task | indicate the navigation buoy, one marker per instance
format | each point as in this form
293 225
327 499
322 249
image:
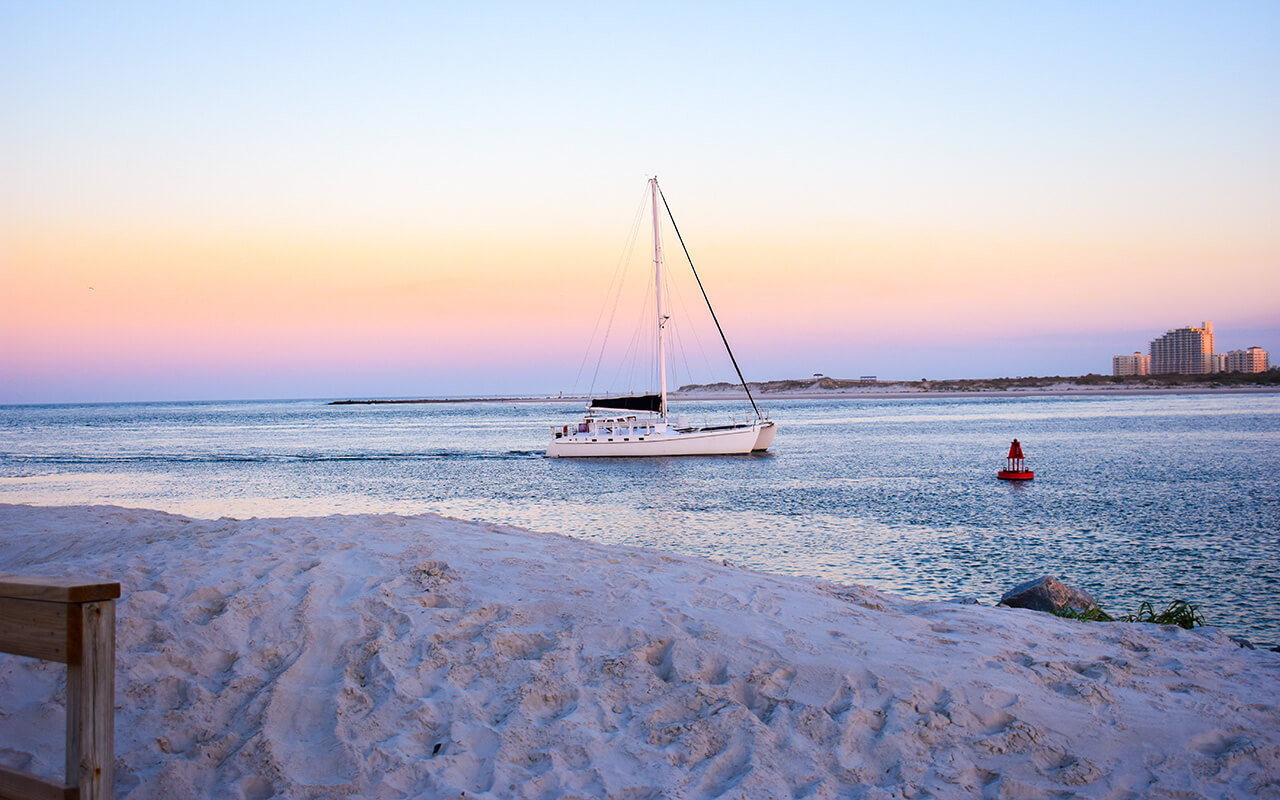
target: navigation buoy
1016 470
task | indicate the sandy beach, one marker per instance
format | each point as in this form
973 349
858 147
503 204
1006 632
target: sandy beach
389 656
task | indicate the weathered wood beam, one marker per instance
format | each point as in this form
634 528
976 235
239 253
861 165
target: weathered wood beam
56 590
37 629
73 623
18 785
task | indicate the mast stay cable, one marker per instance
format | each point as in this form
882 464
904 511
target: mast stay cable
728 349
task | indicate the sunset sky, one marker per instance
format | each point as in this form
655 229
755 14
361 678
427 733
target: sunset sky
260 200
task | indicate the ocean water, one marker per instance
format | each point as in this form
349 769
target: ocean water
1135 498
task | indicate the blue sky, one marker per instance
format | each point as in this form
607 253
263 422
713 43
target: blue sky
1109 169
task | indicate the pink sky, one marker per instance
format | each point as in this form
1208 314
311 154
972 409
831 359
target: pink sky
188 213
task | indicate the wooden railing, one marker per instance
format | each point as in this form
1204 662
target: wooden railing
73 623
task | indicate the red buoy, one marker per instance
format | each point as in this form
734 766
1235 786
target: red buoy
1016 470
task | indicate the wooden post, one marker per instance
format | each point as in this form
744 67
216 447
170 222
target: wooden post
74 623
91 693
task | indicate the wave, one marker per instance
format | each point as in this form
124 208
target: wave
264 458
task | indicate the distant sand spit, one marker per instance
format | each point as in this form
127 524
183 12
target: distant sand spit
875 392
388 656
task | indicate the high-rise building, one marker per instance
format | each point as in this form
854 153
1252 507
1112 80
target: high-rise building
1188 351
1136 364
1255 359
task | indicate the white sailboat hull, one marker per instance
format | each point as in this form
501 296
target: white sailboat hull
733 440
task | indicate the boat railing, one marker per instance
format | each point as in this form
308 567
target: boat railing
621 427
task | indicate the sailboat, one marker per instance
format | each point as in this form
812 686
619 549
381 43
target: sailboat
641 425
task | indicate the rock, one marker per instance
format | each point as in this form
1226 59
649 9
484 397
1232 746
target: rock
1048 594
966 600
1243 642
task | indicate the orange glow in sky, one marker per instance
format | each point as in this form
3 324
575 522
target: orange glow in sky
200 204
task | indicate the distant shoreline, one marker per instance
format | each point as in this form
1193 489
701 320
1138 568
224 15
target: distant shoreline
855 394
454 400
906 395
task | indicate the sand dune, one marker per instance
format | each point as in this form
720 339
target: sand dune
385 656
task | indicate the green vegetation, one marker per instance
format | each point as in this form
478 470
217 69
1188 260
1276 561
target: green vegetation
1095 614
1179 612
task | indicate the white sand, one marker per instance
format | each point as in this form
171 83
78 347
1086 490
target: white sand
384 656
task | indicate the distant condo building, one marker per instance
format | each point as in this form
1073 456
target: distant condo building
1136 364
1189 351
1255 359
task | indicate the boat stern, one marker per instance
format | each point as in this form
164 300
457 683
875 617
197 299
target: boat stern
768 429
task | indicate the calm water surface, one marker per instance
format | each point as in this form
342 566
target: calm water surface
1135 498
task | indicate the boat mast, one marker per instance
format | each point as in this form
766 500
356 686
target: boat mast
657 279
